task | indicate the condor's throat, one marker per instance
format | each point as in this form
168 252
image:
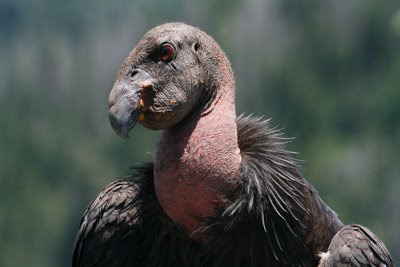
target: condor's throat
196 162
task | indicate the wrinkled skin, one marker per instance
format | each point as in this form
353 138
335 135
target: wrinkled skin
172 89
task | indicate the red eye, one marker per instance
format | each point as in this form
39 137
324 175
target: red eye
167 51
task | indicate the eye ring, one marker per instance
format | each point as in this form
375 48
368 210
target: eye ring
166 52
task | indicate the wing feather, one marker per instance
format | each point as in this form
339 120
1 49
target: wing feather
356 245
109 227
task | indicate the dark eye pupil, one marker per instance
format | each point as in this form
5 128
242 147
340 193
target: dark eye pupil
166 52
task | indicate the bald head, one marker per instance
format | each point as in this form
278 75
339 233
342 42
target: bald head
174 70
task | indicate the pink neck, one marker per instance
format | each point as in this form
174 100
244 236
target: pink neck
196 161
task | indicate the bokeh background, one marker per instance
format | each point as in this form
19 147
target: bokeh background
327 72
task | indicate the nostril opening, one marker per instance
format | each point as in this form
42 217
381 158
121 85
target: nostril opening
134 72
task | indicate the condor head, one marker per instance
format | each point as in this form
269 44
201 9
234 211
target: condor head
163 79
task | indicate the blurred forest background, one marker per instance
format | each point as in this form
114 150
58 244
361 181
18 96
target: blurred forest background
328 72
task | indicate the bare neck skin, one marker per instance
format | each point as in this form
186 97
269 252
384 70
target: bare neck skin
197 160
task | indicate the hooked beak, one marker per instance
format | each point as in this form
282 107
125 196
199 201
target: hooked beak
124 102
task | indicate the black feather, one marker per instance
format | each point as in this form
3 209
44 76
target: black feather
273 217
355 245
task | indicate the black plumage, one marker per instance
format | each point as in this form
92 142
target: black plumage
356 245
107 228
274 218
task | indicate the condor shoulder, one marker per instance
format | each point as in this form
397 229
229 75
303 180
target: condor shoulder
109 228
356 245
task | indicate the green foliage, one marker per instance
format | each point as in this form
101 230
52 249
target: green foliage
327 72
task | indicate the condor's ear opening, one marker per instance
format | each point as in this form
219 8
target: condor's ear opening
196 46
